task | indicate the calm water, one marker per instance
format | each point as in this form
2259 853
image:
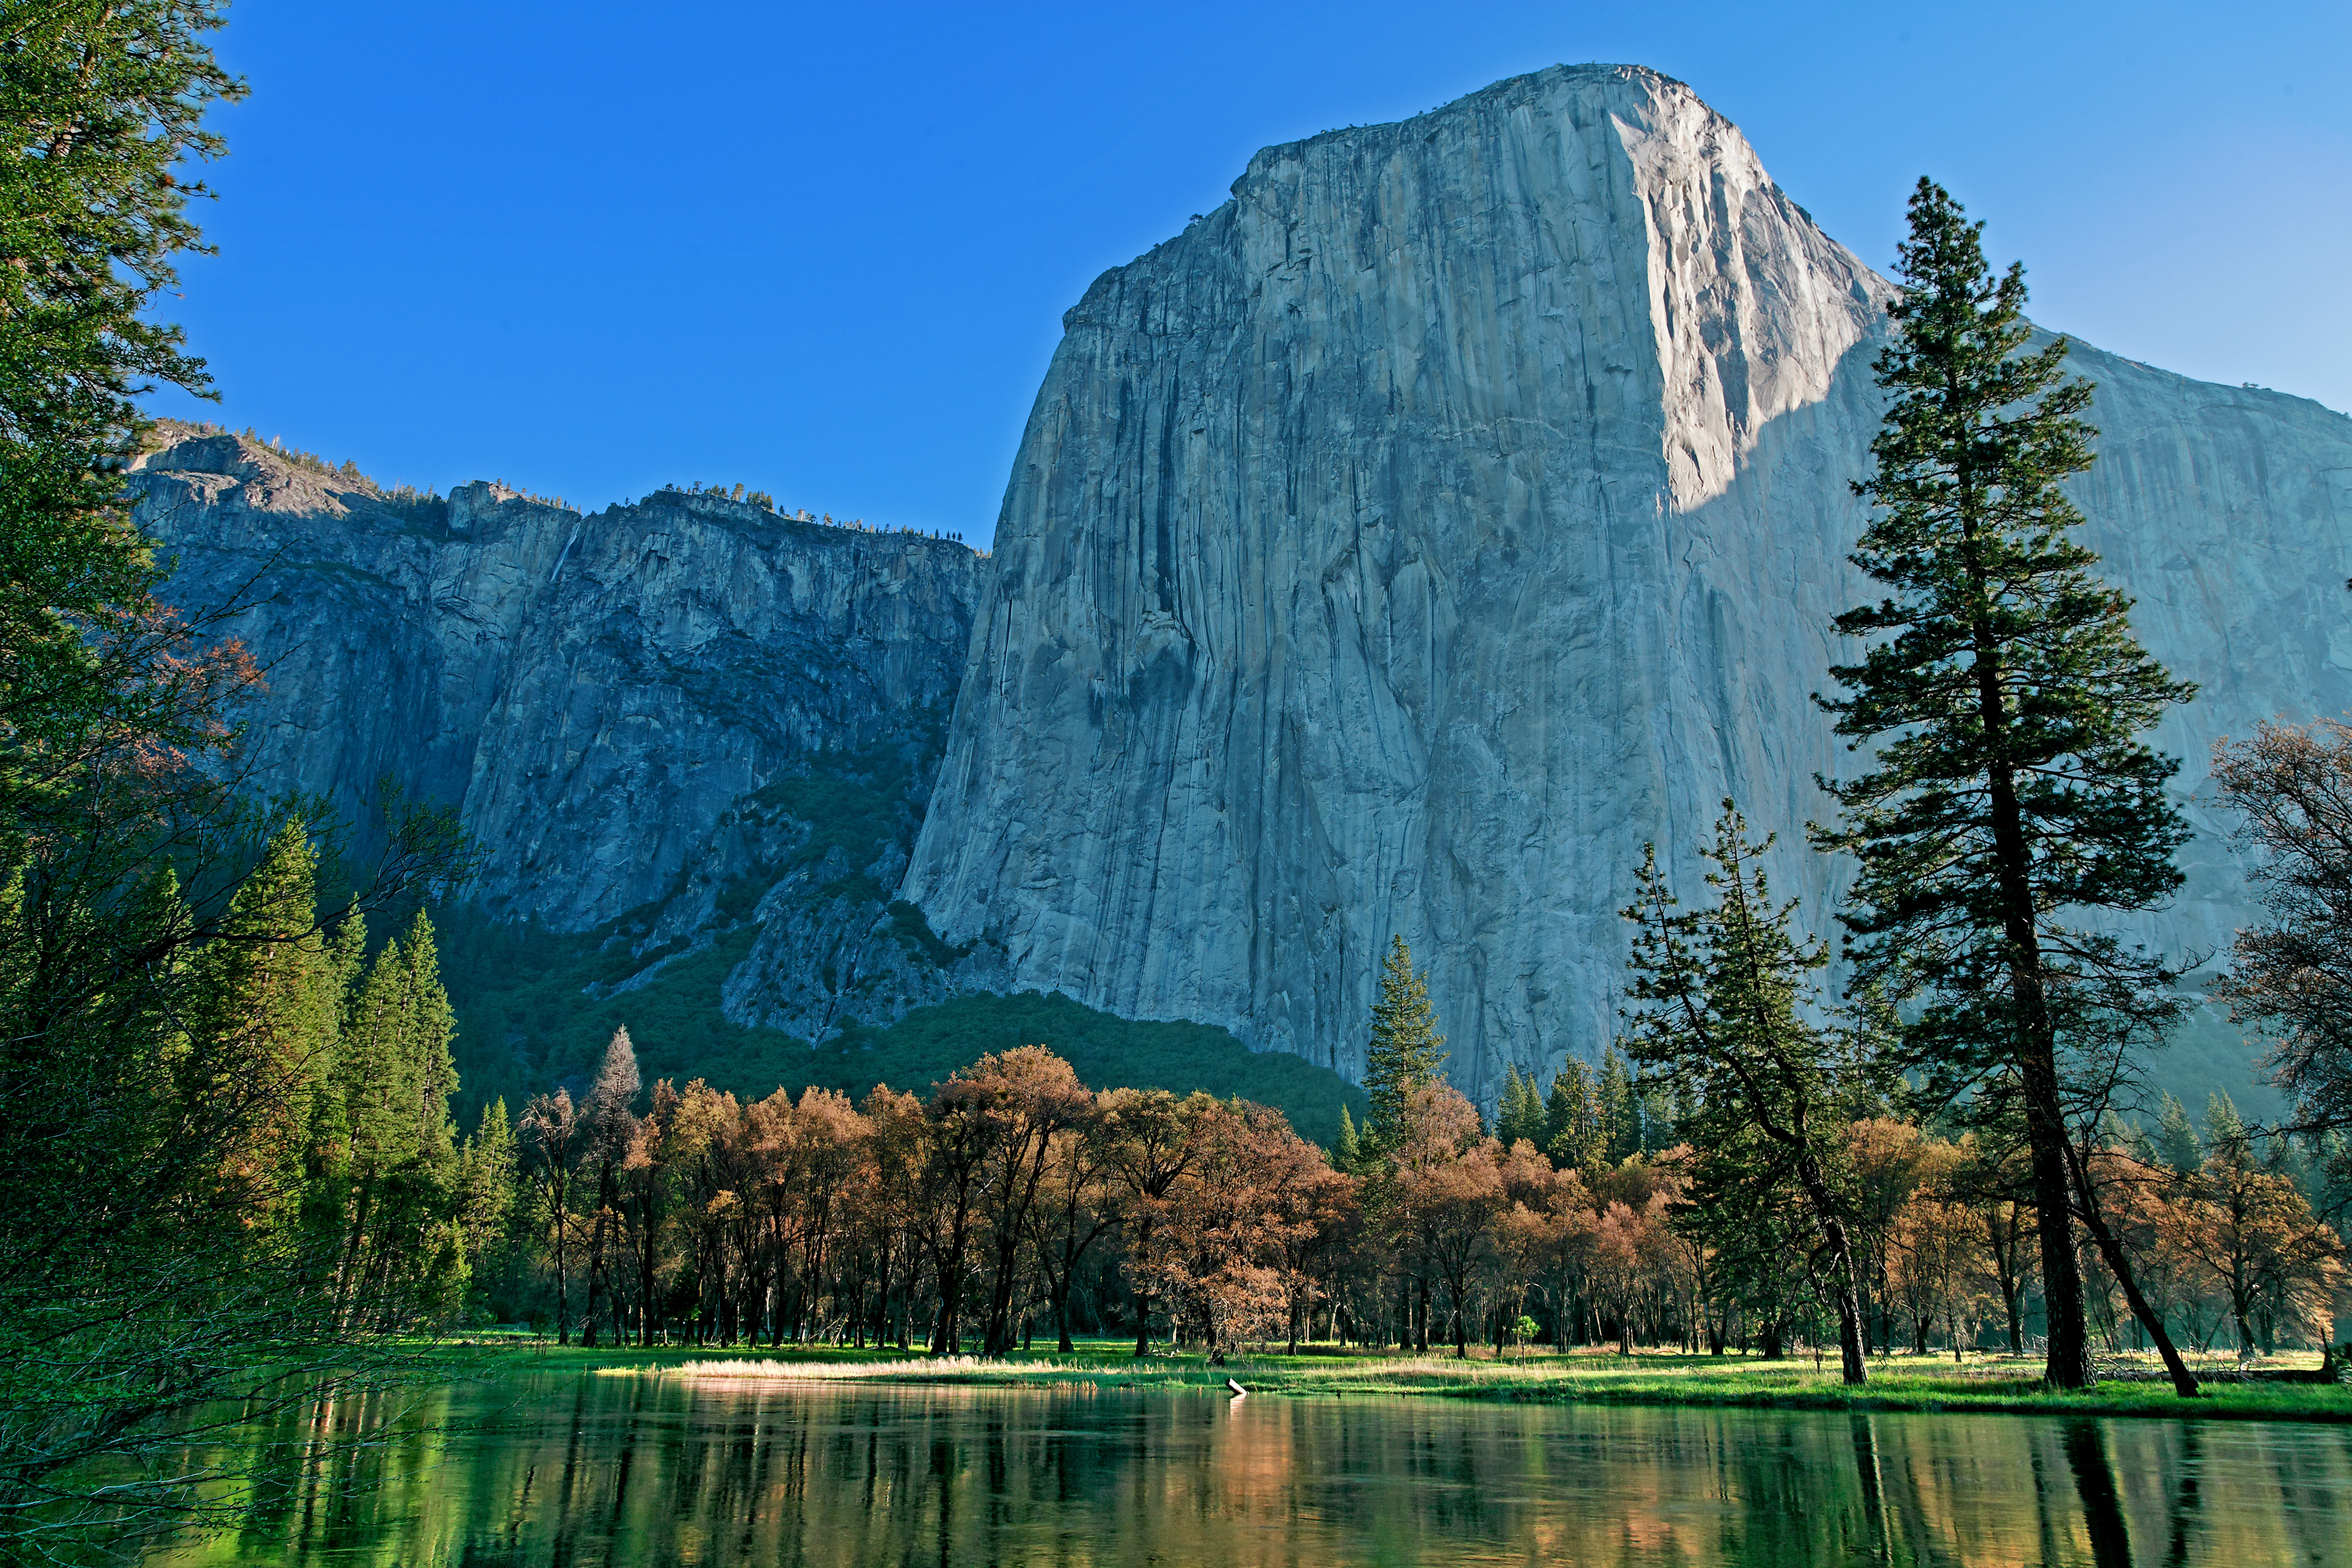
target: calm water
592 1471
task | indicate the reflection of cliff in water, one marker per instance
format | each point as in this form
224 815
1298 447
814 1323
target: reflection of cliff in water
588 1470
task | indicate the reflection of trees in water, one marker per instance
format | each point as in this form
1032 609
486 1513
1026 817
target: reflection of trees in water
2094 1482
2181 1517
622 1469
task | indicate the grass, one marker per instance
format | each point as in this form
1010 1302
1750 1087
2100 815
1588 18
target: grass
1987 1387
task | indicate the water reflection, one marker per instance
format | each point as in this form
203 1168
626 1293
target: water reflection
590 1471
2094 1480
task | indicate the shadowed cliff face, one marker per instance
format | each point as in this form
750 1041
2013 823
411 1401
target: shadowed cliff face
672 717
1463 503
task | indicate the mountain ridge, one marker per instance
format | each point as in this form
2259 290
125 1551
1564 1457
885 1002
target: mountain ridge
1464 502
1394 549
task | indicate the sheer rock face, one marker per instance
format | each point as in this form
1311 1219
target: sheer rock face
604 697
1463 503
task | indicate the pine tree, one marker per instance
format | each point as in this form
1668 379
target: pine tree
261 1032
1620 1107
396 1078
551 1133
1405 1050
485 1188
611 1125
2004 697
1571 1121
1520 1114
2176 1139
104 109
431 1026
1722 999
1347 1151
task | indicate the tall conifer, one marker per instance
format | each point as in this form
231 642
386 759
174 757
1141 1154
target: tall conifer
1405 1050
1520 1115
262 1027
2003 694
1722 998
1347 1149
1571 1121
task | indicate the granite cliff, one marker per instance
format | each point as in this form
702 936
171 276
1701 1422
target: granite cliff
662 720
1465 502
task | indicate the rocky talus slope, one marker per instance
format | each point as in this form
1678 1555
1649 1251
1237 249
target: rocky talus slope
668 719
1463 503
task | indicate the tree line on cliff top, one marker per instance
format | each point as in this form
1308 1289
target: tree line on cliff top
235 1181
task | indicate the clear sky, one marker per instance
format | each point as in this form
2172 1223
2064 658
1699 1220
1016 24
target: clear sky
823 249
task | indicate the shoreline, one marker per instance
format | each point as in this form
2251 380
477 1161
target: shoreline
1900 1384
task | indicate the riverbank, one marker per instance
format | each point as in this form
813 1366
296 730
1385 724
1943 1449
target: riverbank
1989 1386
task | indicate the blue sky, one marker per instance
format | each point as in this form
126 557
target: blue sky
823 249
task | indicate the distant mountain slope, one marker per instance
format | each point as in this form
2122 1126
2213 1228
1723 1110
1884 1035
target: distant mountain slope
666 722
536 1008
694 739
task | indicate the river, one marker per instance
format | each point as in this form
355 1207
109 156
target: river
648 1471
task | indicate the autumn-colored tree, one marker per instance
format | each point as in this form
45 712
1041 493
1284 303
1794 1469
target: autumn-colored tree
1155 1141
1030 1096
896 1130
1886 1159
1441 1194
2274 1259
962 1128
1218 1248
1938 1245
1075 1210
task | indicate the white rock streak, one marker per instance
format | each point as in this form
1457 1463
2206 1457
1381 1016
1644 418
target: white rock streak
1462 504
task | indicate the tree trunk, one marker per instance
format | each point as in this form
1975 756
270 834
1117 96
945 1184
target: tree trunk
562 1287
2184 1382
2035 1044
1851 1363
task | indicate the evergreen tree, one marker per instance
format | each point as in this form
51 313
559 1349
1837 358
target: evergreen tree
261 1035
1405 1050
550 1134
2003 697
2226 1139
2176 1139
1721 998
1572 1132
396 1078
610 1124
102 106
1520 1114
486 1189
1347 1151
1620 1109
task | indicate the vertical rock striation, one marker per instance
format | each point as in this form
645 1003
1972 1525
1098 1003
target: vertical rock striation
647 715
1462 504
